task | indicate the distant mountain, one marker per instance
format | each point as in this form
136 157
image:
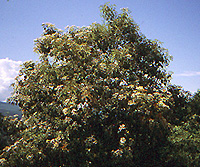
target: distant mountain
7 109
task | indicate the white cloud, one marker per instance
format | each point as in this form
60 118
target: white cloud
188 74
8 71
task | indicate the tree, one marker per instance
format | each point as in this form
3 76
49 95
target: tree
10 127
184 143
97 96
195 103
179 104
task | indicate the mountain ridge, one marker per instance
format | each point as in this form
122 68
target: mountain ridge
7 109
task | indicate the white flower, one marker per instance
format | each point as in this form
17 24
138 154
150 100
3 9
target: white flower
123 83
121 127
122 140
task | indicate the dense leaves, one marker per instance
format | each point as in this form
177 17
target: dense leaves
10 130
179 104
195 103
184 146
98 95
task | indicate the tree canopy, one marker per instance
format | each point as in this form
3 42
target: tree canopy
98 95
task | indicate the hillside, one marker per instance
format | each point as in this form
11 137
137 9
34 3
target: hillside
9 109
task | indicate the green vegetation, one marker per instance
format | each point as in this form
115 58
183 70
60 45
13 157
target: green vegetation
100 96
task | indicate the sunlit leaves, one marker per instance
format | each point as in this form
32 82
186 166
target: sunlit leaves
185 142
96 95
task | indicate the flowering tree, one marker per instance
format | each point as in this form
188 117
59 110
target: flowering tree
97 96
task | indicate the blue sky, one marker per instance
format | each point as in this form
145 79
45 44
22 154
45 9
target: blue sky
176 23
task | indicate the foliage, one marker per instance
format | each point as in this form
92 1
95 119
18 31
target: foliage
184 147
97 96
195 103
2 133
179 104
10 130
